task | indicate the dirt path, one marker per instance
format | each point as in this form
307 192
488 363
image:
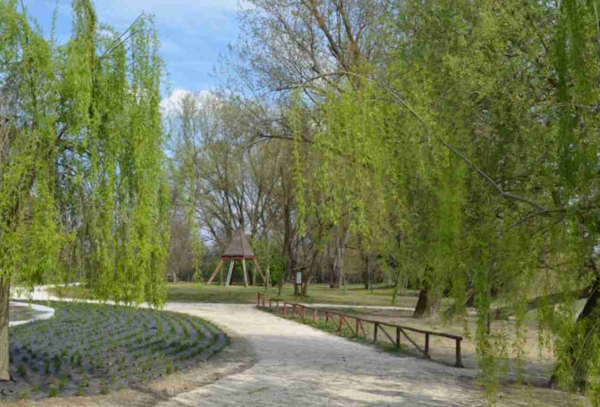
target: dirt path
301 366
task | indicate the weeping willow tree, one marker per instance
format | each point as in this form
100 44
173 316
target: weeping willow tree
476 147
83 192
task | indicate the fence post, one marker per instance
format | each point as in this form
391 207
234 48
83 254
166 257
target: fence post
285 308
357 326
458 355
303 312
258 299
427 345
277 309
315 315
326 318
263 298
341 322
398 337
270 304
375 333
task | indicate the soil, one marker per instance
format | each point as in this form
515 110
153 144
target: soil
536 364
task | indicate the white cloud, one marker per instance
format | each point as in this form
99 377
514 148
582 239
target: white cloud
171 104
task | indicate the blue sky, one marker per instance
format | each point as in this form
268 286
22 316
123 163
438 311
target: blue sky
193 33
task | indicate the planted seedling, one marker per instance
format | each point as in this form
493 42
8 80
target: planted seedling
21 370
57 362
63 382
53 392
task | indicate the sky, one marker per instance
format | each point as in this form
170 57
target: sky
193 33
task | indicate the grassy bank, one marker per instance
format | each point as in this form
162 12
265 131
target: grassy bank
193 292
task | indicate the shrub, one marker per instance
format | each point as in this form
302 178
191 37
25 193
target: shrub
53 392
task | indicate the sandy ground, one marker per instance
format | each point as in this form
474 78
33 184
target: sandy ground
298 365
278 362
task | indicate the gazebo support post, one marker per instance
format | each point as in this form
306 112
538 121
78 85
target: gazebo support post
245 274
215 273
230 273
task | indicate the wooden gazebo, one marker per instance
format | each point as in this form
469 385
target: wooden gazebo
238 249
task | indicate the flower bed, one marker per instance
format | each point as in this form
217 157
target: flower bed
89 349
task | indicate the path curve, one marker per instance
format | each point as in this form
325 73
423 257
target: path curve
298 365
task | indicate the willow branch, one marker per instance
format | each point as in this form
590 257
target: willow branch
452 149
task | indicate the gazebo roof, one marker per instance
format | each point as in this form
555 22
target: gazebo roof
238 247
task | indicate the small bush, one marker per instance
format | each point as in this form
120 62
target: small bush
53 392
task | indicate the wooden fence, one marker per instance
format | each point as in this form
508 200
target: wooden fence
380 329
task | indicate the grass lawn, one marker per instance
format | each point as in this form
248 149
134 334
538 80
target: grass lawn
351 295
193 292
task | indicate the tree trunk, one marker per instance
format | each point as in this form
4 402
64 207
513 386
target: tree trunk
550 299
288 249
368 273
305 286
4 307
422 307
337 269
297 284
425 305
589 318
335 274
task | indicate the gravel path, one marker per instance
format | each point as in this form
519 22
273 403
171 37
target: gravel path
298 365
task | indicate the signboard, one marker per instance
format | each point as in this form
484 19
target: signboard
299 277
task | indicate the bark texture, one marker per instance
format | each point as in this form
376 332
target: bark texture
4 307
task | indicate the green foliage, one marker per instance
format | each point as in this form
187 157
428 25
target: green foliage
84 186
469 158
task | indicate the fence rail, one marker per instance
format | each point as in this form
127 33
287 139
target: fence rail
341 321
